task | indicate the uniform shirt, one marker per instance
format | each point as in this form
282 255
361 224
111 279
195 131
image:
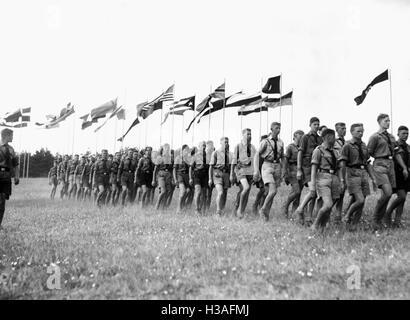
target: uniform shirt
72 165
381 145
181 164
200 160
102 167
165 162
351 154
218 160
114 168
292 153
53 172
62 168
308 143
128 165
146 165
87 170
79 169
8 158
325 158
404 151
339 143
243 155
269 153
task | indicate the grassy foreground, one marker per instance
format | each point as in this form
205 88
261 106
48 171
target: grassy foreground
125 253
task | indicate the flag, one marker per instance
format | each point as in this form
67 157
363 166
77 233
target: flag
25 118
255 106
113 114
272 85
87 121
140 108
121 114
286 99
26 110
216 106
219 92
179 107
13 116
204 103
101 111
47 126
136 121
19 125
380 78
242 99
168 95
53 120
148 108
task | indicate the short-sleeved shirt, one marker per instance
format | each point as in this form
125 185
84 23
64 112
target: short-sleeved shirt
243 155
87 170
181 164
350 153
323 158
165 162
71 166
269 153
102 167
53 171
200 160
62 168
8 158
308 143
291 153
339 143
128 165
381 145
79 169
404 151
218 159
146 165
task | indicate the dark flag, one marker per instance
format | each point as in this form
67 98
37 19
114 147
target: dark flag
179 107
136 121
380 78
272 85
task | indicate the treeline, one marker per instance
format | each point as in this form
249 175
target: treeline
38 163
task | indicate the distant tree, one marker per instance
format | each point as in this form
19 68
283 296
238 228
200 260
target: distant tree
39 165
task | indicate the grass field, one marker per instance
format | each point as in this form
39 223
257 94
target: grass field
125 253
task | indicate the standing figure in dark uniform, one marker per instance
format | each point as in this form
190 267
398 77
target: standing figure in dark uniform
62 176
181 176
72 165
163 172
86 178
78 179
114 192
8 168
102 176
402 183
383 147
126 172
198 177
53 179
144 173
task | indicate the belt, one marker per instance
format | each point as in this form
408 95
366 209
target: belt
223 170
386 157
4 169
272 161
293 162
327 171
357 166
167 170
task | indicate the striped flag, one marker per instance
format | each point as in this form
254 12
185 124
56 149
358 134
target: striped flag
219 92
255 106
101 111
113 114
168 95
204 103
285 100
242 99
179 107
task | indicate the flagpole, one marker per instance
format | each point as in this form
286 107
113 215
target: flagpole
209 121
28 164
182 129
260 112
122 140
291 119
72 144
20 134
391 102
280 98
193 124
223 107
115 134
24 164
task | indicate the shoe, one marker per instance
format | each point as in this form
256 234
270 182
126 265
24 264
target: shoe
300 217
264 215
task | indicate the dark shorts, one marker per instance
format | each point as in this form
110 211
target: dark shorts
5 187
401 183
384 172
248 178
222 178
102 180
145 179
183 178
165 177
201 178
86 182
127 180
54 181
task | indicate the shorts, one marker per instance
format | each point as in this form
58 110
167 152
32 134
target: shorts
165 177
292 173
201 178
307 175
86 182
5 187
384 172
71 179
78 180
62 179
357 180
127 180
102 180
183 178
54 181
222 178
248 178
328 186
145 179
271 173
401 183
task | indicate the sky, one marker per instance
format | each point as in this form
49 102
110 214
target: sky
89 52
